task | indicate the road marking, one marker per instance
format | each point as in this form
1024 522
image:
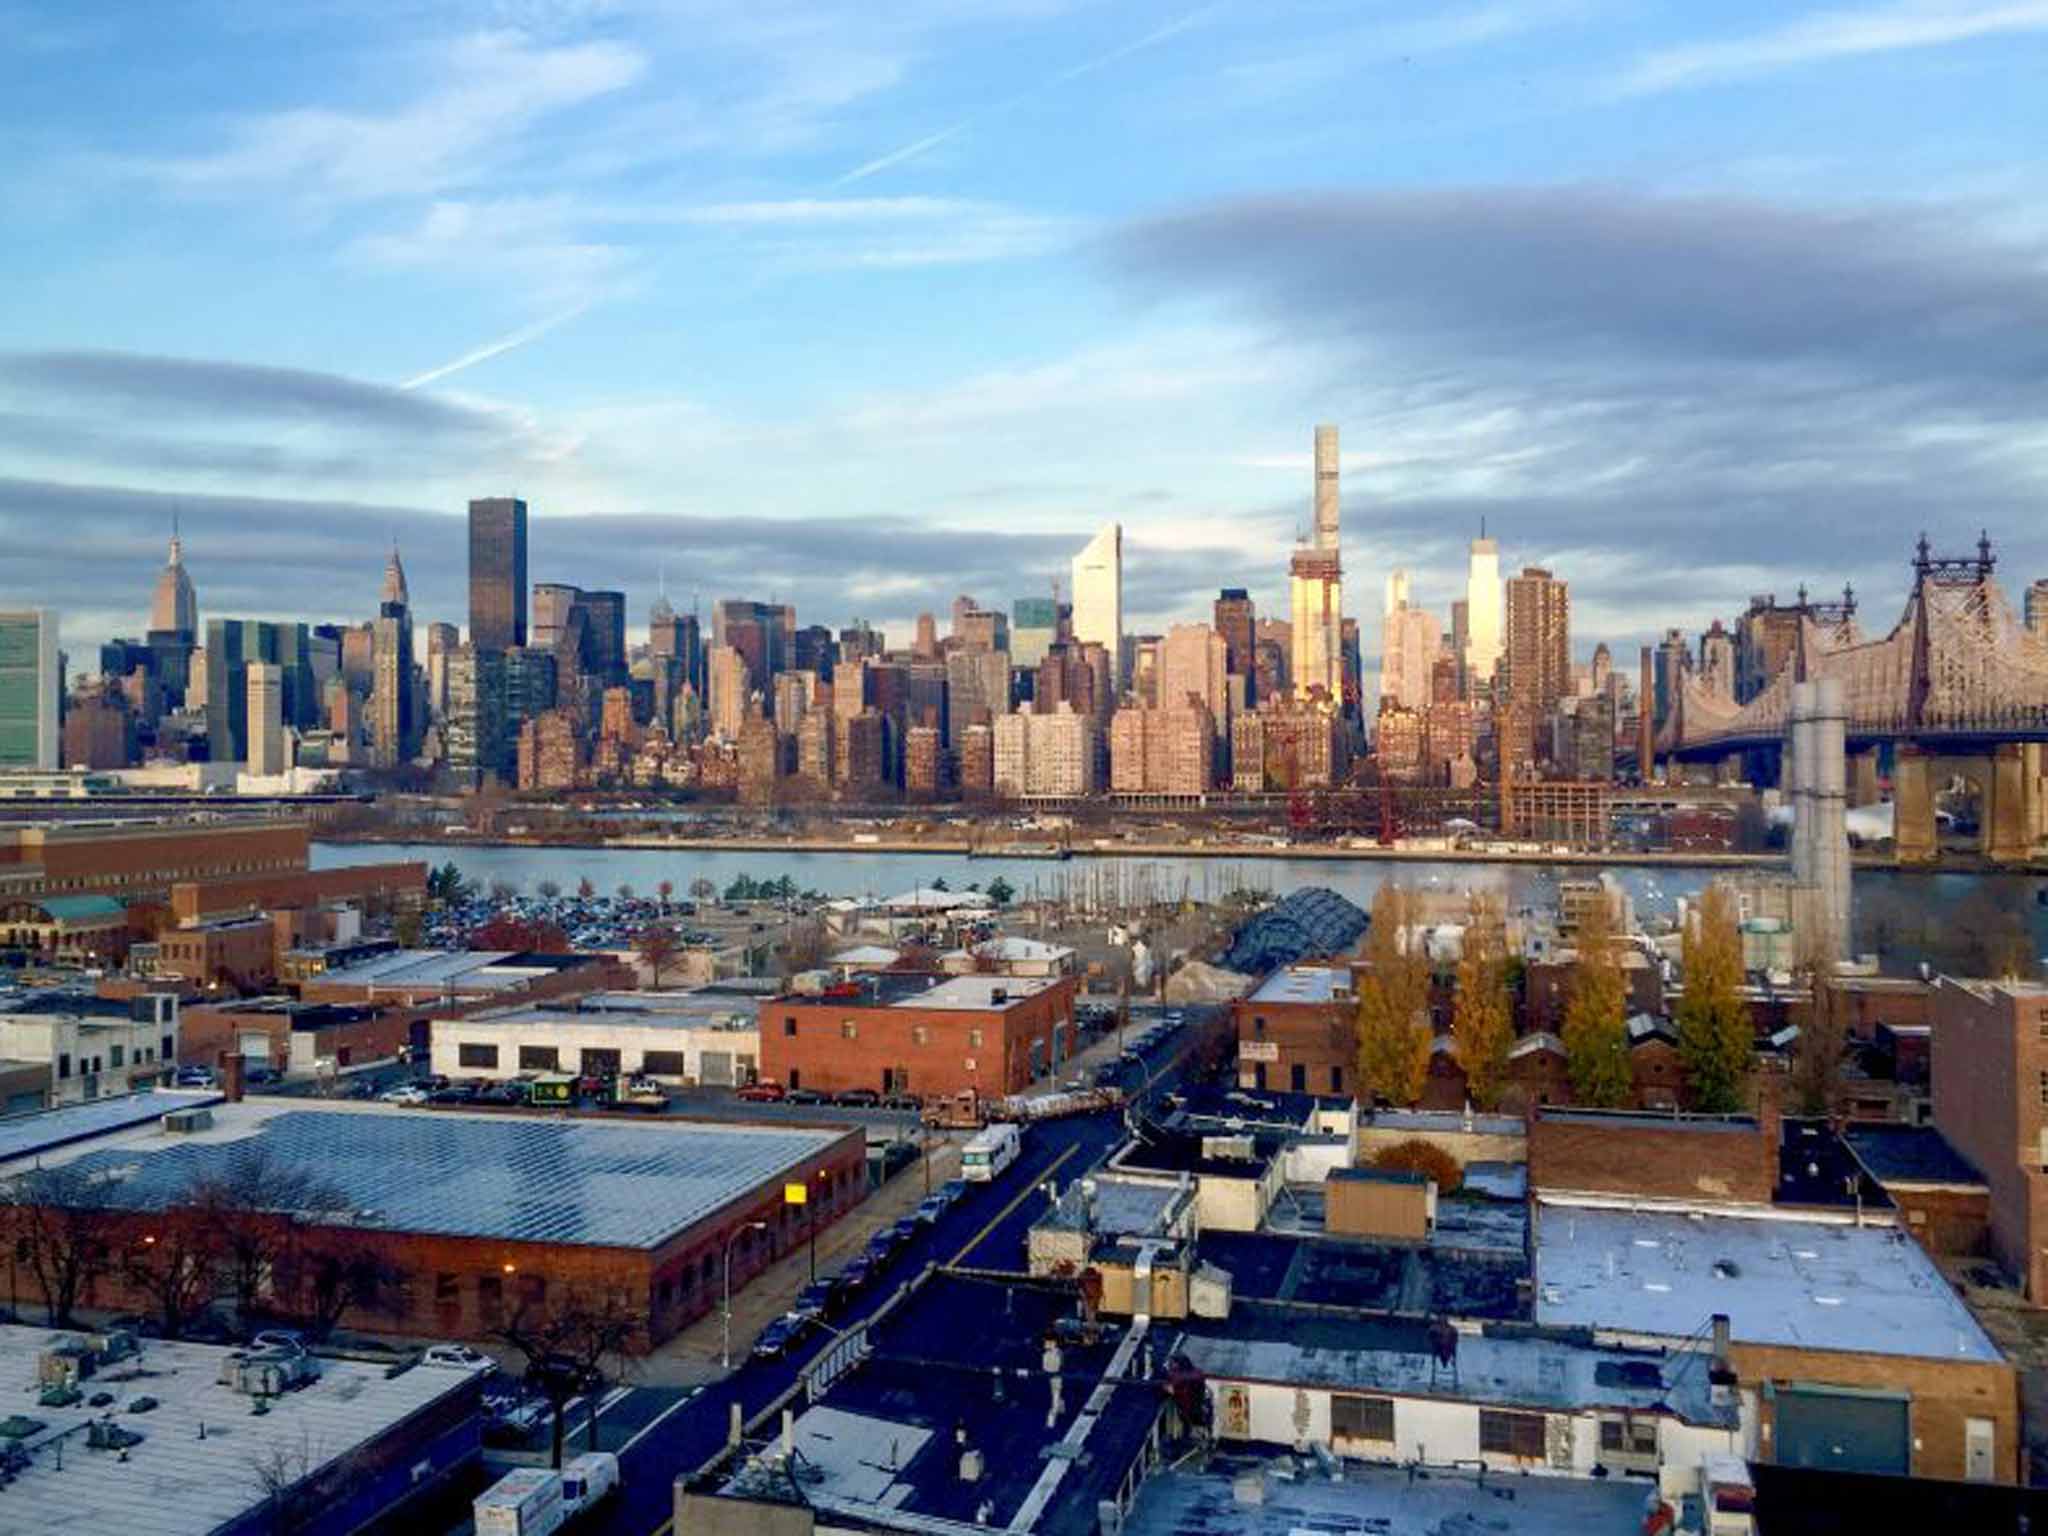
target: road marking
1022 1195
649 1427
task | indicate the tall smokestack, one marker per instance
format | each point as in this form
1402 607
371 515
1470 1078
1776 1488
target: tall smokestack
1326 488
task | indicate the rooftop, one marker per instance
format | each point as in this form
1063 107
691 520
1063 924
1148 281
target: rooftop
176 1482
1909 1154
992 993
65 1003
1400 1278
931 899
47 1129
1384 1500
1015 947
1808 1282
518 1178
1117 1206
473 970
1303 984
1507 1365
1444 1121
1815 1168
1652 1120
1308 922
80 909
673 1010
1162 1151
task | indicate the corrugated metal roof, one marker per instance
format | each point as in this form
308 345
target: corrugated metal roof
1311 921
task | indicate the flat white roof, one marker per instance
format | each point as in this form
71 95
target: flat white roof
1810 1284
1302 984
437 967
1012 946
976 992
174 1483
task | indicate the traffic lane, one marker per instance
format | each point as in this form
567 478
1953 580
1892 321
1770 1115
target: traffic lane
689 1436
1002 1242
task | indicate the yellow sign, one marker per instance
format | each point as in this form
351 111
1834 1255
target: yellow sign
795 1194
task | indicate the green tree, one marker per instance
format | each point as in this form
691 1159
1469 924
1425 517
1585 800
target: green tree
1596 1015
1716 1039
1393 1002
1482 1018
1001 892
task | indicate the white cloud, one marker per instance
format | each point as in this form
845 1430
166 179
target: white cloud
1906 24
491 87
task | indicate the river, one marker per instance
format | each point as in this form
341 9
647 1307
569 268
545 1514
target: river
1906 917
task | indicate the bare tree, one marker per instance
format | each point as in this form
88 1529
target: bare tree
258 1208
61 1224
283 1469
666 891
1823 1033
702 890
334 1275
656 945
173 1257
803 947
572 1348
549 889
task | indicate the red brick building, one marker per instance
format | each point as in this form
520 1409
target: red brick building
143 860
915 1033
1299 1032
1692 1157
1991 1103
376 888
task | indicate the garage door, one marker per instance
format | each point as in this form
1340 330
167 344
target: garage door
1843 1430
255 1046
715 1067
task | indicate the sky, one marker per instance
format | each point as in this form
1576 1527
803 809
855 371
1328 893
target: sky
866 305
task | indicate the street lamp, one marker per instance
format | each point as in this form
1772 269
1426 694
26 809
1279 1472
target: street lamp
725 1348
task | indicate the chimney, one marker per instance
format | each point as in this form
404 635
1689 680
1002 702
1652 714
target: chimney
1721 1378
231 1067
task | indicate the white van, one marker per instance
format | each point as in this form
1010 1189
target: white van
586 1480
990 1152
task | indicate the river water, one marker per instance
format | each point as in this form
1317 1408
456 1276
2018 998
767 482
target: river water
1907 918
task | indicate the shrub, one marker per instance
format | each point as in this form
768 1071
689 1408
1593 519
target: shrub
1425 1158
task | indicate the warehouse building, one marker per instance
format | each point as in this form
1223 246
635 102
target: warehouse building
933 1036
180 1446
484 1213
683 1038
1853 1352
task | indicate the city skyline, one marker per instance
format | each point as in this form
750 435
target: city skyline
737 310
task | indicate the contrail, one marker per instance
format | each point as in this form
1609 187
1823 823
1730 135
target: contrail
518 338
932 141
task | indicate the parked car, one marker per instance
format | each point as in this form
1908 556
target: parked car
256 1076
882 1246
822 1298
858 1098
289 1339
954 1190
905 1229
903 1101
783 1335
762 1093
857 1271
458 1357
195 1077
930 1209
803 1096
406 1094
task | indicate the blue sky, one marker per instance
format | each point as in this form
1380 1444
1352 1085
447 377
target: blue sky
868 304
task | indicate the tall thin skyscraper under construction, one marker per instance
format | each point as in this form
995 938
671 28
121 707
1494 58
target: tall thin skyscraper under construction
1482 615
1316 586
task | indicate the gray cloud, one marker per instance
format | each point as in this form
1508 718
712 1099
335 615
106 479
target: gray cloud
322 560
1693 398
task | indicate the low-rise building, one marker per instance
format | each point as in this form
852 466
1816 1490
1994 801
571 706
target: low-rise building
288 1036
478 1213
1851 1350
684 1038
1625 1153
1298 1032
1990 1072
93 1046
926 1035
170 1438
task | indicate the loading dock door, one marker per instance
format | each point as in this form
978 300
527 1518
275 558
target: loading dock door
715 1067
1843 1430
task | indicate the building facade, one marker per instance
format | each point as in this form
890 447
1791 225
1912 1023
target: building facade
497 573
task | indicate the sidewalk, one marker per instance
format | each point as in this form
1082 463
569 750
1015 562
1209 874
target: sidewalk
691 1357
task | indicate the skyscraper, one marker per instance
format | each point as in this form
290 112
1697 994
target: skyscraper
605 613
1237 623
173 623
1034 625
1316 586
497 573
1098 574
2037 608
1538 654
1482 614
265 718
394 734
1409 642
30 689
231 646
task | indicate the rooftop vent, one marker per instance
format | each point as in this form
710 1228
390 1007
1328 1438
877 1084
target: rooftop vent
187 1122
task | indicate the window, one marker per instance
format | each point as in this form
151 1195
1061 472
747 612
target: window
470 1054
2044 1088
447 1287
540 1058
1336 1079
114 1057
533 1290
490 1298
1297 1077
848 1030
1258 1027
974 1040
920 1034
1362 1418
1511 1434
1628 1437
64 1068
665 1063
789 1029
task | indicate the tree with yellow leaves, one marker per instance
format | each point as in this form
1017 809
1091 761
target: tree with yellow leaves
1596 1015
1716 1039
1482 1017
1393 1002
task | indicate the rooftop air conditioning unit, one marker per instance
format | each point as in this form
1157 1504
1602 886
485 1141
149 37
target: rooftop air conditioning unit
187 1122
